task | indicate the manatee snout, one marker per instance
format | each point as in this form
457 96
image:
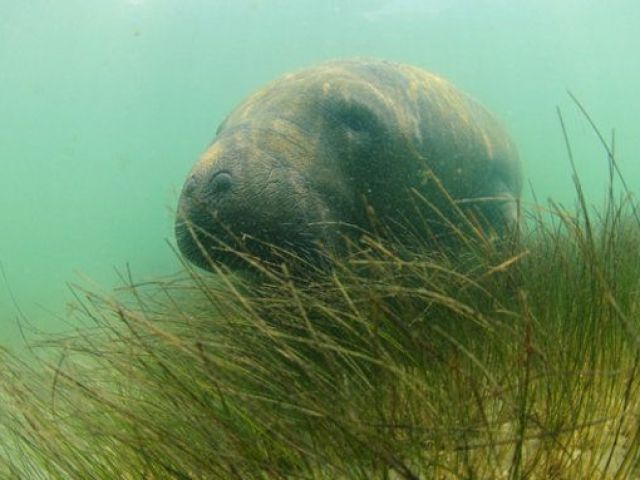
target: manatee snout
245 200
202 197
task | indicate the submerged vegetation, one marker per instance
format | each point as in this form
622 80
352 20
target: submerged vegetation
517 361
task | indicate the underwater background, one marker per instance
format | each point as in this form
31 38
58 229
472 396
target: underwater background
106 104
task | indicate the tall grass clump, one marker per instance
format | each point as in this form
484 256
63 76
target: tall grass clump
511 360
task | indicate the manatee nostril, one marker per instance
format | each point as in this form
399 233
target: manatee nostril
220 183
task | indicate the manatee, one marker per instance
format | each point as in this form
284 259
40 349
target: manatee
309 159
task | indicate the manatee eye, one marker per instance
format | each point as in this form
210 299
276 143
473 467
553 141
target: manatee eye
358 119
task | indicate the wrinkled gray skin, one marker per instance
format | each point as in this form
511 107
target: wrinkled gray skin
298 162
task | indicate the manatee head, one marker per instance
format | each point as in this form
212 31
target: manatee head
339 148
285 169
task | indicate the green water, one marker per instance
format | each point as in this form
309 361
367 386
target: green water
105 104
